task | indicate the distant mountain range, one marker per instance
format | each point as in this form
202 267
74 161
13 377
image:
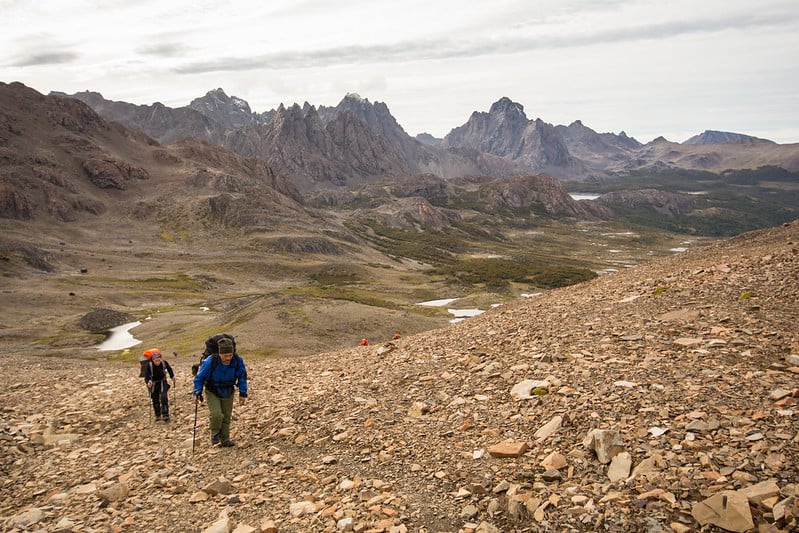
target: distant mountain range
216 166
62 162
358 142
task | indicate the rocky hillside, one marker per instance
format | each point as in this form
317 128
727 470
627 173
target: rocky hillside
661 398
483 198
63 163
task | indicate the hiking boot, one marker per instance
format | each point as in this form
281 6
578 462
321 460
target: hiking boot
215 439
227 443
157 418
166 419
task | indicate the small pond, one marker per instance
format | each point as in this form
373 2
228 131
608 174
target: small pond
119 338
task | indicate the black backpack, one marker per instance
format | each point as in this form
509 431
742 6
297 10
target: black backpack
212 348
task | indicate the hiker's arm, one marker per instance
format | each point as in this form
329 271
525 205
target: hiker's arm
241 376
199 380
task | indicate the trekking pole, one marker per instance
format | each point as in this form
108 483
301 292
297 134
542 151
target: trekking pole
194 434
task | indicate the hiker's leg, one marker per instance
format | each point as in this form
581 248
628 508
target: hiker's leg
165 400
155 396
214 412
227 411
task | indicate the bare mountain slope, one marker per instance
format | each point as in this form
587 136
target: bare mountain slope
62 161
748 152
661 398
721 137
160 122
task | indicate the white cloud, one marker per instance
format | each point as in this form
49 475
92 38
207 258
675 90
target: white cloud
647 67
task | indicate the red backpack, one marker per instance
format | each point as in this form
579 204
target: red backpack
145 358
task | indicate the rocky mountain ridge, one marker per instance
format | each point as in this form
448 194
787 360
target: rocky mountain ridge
315 148
78 158
500 143
661 398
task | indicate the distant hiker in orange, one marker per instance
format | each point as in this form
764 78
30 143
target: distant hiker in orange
145 359
364 342
156 374
396 336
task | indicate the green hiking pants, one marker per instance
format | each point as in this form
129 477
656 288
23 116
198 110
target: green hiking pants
219 413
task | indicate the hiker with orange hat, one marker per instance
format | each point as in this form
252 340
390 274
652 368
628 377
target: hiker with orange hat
156 371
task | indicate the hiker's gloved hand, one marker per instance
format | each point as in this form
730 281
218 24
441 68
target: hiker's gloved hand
242 399
198 399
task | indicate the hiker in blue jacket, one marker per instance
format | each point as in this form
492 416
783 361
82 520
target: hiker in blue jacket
219 373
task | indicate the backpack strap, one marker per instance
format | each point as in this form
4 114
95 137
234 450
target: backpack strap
215 361
209 383
163 363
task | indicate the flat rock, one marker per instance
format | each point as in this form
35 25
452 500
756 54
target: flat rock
727 509
508 448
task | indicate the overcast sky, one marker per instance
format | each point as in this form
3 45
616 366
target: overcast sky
647 67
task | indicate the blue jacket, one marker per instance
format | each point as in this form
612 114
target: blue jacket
223 378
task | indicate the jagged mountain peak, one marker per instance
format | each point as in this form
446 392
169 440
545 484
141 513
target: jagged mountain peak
506 106
227 110
660 139
506 132
376 115
294 108
356 101
219 95
356 97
